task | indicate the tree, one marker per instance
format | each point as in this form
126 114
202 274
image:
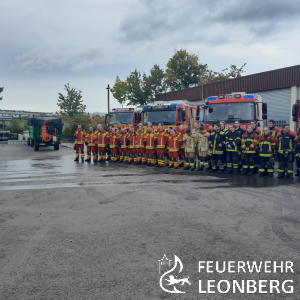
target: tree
234 71
183 70
72 103
157 80
136 94
120 91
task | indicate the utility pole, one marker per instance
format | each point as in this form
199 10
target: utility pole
108 88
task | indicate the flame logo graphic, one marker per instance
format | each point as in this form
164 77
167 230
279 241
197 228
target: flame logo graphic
172 280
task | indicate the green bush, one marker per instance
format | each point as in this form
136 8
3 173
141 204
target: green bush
18 125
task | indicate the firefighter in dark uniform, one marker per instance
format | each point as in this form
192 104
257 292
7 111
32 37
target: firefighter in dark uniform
287 142
216 143
233 144
267 144
258 132
273 129
249 148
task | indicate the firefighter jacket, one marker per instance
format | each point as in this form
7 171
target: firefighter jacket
240 131
149 138
122 136
80 136
174 143
180 139
216 142
257 131
96 132
274 131
234 140
203 141
267 145
139 139
225 130
101 138
162 139
190 143
89 138
132 139
113 140
286 142
249 140
298 145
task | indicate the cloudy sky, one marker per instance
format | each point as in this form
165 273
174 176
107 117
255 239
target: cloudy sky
46 44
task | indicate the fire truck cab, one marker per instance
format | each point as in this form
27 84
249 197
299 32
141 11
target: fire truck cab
171 114
236 106
126 116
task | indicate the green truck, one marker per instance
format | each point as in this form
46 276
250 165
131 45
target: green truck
44 132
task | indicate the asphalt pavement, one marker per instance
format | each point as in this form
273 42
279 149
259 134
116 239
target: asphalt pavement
97 231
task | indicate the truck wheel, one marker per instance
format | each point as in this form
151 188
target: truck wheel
31 142
28 141
36 147
56 146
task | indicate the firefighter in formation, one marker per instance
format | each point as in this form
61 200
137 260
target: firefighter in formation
221 149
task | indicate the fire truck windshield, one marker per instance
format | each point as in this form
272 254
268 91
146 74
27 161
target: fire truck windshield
123 117
230 112
168 117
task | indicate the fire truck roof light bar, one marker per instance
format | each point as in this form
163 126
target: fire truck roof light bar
212 98
123 109
249 96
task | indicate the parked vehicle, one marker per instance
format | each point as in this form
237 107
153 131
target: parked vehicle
44 132
127 116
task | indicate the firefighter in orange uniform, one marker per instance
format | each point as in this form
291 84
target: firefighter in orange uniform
89 141
173 149
123 150
149 145
160 142
132 158
96 142
181 134
113 144
101 141
79 142
139 143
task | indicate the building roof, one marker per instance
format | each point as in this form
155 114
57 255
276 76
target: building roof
270 80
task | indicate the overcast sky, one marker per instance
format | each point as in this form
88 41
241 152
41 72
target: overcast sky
46 44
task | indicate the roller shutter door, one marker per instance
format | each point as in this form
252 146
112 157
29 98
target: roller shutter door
279 105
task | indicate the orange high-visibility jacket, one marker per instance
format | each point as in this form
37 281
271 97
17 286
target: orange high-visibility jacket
162 139
132 139
122 136
139 139
89 138
174 143
149 138
101 138
80 136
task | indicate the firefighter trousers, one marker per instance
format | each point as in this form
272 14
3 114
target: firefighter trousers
132 157
232 159
203 159
190 159
173 159
150 156
79 147
285 162
217 159
161 156
249 161
141 155
266 164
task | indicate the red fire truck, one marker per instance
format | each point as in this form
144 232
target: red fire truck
127 116
170 114
236 106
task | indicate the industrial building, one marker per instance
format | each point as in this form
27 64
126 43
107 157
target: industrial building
278 88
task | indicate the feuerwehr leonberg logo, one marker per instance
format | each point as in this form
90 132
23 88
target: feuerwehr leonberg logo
169 282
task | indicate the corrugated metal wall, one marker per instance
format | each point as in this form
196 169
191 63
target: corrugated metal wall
271 80
279 105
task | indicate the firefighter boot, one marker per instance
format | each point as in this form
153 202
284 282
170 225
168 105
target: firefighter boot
235 171
200 168
270 174
280 175
251 173
212 170
229 170
290 175
244 171
221 171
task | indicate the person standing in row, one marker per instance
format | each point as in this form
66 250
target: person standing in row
190 146
79 142
173 149
132 158
113 145
232 142
149 145
203 150
273 129
122 143
216 142
267 144
140 148
249 148
181 156
287 142
90 143
161 140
